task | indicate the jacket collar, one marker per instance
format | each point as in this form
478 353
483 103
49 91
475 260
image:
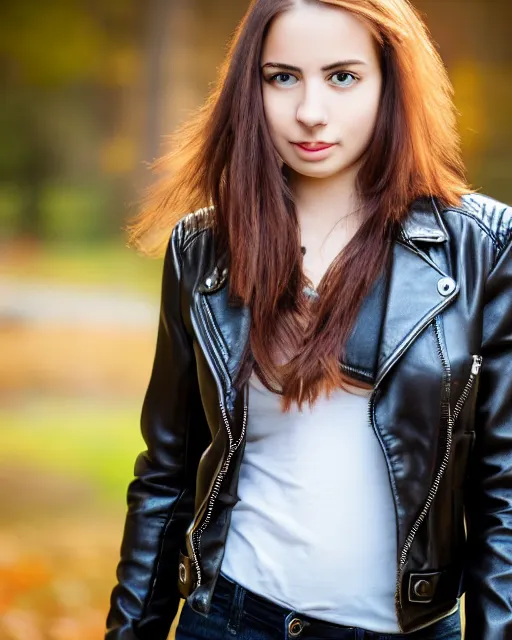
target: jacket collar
424 223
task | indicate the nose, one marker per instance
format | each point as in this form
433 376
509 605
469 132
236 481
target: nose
311 112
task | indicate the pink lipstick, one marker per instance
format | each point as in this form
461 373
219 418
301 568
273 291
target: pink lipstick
313 150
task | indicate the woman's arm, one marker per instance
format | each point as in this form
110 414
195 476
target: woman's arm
161 497
488 576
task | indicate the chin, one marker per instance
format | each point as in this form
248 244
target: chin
312 171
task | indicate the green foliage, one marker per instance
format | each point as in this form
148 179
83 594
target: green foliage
88 440
74 212
12 201
101 264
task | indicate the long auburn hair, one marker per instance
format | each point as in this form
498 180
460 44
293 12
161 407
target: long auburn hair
224 157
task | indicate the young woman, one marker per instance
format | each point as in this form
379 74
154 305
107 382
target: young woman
329 416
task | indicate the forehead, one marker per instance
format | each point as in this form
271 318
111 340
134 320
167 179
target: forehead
310 35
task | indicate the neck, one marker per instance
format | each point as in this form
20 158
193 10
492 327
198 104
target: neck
323 201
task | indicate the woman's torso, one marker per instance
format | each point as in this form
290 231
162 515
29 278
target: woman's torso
285 541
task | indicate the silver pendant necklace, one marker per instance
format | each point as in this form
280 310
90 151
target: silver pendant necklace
308 291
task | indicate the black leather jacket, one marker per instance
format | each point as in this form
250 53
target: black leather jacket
441 408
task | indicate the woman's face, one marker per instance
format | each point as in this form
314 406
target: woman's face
321 82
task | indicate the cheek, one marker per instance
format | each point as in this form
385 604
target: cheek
361 116
277 110
275 123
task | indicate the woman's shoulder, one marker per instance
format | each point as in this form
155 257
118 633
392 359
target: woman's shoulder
195 251
193 224
489 215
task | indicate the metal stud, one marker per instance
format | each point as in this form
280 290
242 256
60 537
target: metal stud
214 281
182 572
445 286
423 588
295 627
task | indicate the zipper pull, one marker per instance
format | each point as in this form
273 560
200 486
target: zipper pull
477 363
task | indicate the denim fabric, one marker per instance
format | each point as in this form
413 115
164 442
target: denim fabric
238 613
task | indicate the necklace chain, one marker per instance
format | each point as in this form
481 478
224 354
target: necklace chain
309 292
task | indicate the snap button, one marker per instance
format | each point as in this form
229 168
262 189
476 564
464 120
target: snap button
423 588
182 572
212 280
445 286
295 627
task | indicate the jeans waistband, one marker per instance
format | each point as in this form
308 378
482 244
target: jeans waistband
293 623
260 610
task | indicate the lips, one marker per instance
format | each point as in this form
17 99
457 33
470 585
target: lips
314 146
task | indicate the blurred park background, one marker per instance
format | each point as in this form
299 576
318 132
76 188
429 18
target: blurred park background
92 87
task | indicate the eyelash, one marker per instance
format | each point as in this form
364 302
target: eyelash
335 73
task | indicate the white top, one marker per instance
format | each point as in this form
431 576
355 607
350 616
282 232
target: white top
315 527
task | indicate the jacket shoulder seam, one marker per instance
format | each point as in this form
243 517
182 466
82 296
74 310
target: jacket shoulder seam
189 240
193 224
492 236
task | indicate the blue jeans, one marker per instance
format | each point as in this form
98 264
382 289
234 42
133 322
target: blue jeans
238 613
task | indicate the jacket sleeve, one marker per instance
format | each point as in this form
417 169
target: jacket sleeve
160 498
488 579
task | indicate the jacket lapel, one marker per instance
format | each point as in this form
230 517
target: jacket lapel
230 326
418 288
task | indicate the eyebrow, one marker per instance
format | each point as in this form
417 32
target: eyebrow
329 67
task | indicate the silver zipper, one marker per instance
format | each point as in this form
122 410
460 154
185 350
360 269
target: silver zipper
451 418
475 370
348 367
233 446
